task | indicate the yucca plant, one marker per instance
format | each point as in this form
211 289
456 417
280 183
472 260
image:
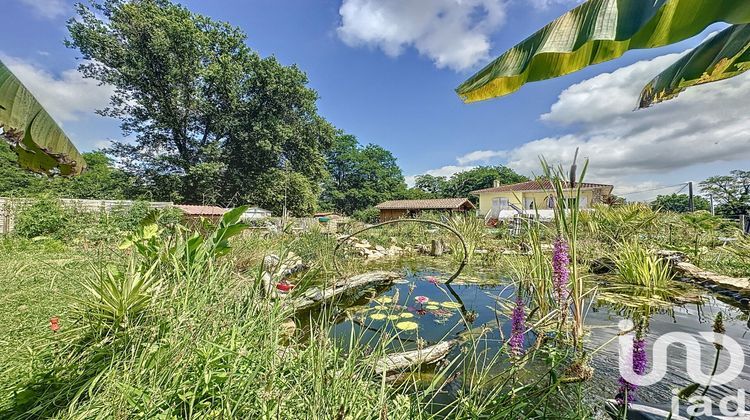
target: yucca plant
116 300
636 265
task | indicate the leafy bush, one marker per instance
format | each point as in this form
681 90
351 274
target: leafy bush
43 217
369 215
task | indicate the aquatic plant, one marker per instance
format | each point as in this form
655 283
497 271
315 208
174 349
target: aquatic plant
561 275
518 327
627 391
567 217
636 265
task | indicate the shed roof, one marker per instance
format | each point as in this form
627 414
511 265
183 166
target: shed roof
537 185
431 204
202 210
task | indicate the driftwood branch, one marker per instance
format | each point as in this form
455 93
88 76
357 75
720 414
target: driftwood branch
410 359
680 266
315 296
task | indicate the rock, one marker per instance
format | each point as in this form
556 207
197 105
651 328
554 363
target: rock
270 262
745 301
288 327
481 251
379 248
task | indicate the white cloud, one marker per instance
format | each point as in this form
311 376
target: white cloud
67 97
47 9
480 156
453 33
546 4
706 125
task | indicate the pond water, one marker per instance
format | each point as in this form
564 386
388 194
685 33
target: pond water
422 310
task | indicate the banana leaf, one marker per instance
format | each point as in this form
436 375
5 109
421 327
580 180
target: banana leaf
723 56
598 31
41 145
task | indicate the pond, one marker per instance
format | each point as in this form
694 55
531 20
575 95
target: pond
421 310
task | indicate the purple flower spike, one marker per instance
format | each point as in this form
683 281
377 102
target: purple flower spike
640 363
560 272
518 327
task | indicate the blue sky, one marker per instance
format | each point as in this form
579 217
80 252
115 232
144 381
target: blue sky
385 71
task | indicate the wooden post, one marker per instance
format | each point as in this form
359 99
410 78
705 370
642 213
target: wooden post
437 248
743 223
690 196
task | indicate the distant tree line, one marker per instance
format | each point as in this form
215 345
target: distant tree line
731 195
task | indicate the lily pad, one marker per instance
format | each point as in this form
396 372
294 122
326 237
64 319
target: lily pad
380 308
384 299
451 305
406 315
377 316
392 317
431 307
407 325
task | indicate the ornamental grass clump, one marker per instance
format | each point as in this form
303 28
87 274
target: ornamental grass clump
637 266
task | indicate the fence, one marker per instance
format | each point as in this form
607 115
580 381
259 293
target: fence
9 207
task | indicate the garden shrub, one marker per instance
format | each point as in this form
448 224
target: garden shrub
43 217
368 215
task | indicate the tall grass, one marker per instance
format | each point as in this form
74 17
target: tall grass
636 265
177 331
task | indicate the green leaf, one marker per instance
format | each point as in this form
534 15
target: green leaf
598 31
233 216
40 143
723 56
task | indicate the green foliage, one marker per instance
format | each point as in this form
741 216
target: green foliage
617 223
637 266
369 215
100 180
115 301
601 30
732 192
41 145
213 120
473 231
43 217
360 176
463 183
679 203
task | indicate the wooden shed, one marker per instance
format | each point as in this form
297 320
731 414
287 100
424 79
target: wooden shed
399 209
196 213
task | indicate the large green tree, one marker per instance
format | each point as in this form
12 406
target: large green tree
360 176
463 183
732 192
209 118
679 203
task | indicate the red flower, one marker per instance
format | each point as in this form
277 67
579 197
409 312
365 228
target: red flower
284 287
54 324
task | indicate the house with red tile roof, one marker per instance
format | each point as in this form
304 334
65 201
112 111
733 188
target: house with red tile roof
535 195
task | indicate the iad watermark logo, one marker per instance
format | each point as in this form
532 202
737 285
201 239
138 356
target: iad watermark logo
730 407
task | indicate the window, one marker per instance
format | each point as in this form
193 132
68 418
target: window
500 203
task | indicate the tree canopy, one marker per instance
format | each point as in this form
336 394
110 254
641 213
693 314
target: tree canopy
462 183
360 176
731 192
679 203
211 120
